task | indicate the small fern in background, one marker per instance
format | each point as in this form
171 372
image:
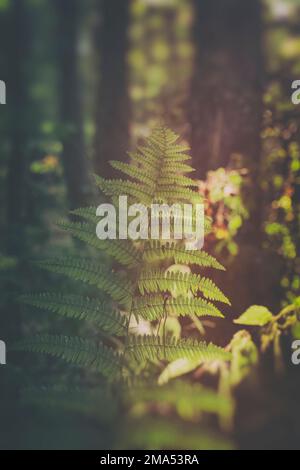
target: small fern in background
152 286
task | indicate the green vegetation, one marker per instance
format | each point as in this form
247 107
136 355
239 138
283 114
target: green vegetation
147 344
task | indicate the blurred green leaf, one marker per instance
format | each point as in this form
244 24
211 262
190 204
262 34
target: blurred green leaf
256 315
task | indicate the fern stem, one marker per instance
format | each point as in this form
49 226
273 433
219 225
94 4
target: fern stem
164 325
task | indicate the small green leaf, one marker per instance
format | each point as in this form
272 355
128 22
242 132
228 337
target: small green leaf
297 302
256 315
177 369
296 330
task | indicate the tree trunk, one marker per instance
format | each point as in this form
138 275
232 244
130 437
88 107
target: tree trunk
226 117
17 130
74 158
15 35
226 89
17 105
112 100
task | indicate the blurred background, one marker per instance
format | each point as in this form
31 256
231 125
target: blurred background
86 80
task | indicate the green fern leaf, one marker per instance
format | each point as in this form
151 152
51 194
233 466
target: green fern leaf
134 172
100 314
178 180
158 251
211 291
116 188
122 251
74 350
158 173
151 168
154 307
174 194
155 281
152 348
177 168
86 213
93 274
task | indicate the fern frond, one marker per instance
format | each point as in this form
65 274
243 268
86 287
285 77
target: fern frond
177 168
91 273
151 153
134 172
165 140
173 194
161 166
116 188
159 173
122 251
154 307
177 153
151 168
86 213
101 314
155 281
74 350
158 251
182 306
178 180
152 348
170 136
211 291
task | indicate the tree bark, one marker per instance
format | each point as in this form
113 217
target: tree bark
226 95
17 130
226 122
112 97
16 107
74 158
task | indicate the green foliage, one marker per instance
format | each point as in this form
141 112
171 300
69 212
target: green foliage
147 285
160 434
102 315
189 400
157 251
244 357
273 327
154 281
153 348
223 189
121 250
255 316
154 307
74 350
91 273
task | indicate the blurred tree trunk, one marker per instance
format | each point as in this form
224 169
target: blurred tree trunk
15 44
74 157
226 122
112 96
18 124
17 133
226 95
